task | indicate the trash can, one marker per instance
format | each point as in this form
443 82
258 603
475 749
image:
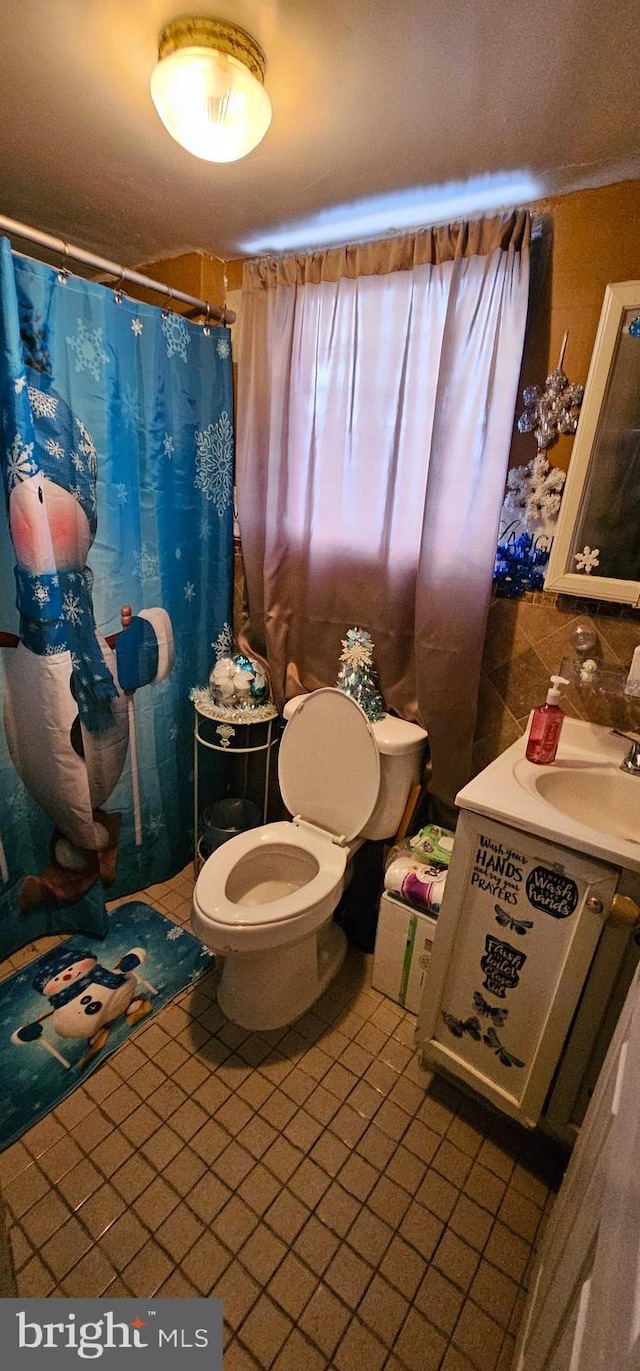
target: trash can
224 819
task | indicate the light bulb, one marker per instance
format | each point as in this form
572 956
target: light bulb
209 100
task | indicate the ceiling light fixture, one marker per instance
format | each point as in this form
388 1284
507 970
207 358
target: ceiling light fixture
208 88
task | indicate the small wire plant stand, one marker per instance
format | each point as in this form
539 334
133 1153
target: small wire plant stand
230 722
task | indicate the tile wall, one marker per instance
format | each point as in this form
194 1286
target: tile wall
525 642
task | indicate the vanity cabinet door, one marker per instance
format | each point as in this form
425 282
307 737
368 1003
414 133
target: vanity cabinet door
520 921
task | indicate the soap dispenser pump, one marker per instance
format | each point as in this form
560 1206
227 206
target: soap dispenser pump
546 725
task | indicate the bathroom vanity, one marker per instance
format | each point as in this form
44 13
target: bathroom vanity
535 943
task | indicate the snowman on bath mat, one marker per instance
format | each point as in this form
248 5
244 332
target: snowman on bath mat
86 999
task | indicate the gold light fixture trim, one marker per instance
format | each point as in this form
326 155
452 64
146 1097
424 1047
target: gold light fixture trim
217 34
208 88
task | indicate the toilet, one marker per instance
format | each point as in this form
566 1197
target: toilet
264 900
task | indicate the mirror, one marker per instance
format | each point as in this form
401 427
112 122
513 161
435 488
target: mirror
596 549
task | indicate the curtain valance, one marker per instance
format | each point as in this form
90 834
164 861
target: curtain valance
426 247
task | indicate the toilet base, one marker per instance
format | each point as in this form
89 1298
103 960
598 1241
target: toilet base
265 990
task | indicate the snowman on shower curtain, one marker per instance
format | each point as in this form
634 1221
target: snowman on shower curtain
67 699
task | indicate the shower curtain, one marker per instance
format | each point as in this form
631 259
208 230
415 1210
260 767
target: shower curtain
116 451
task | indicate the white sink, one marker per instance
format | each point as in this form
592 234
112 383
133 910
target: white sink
583 801
601 797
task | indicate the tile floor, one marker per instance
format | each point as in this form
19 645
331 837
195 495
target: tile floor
349 1209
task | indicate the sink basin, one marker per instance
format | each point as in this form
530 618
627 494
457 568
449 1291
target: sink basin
603 798
583 801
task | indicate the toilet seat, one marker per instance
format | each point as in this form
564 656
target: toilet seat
329 772
213 879
217 918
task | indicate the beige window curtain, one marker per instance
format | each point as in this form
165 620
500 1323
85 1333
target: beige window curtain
376 395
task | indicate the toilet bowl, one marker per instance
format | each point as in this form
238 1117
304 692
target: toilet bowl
264 900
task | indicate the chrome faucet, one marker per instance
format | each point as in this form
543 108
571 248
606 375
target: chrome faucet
631 763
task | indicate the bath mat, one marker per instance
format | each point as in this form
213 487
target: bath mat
65 1012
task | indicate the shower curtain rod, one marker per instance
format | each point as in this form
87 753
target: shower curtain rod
122 274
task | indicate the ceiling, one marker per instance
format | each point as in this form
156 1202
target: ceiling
400 100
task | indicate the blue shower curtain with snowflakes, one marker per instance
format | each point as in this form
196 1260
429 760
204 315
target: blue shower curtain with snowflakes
116 452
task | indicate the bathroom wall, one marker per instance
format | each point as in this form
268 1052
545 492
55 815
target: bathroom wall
591 239
525 642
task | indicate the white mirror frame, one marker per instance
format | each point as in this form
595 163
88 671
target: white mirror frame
618 298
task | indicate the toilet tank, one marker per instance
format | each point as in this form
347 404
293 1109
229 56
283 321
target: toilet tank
401 746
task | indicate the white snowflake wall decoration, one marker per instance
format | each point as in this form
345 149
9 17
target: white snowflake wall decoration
587 559
214 462
532 498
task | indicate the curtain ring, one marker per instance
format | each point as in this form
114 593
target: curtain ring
206 327
118 289
165 312
63 273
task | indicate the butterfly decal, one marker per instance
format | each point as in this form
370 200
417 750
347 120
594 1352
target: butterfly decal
461 1026
506 920
497 1016
506 1058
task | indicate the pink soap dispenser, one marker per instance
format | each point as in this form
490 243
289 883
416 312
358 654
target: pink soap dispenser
546 725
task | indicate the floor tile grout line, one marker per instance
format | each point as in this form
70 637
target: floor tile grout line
394 1132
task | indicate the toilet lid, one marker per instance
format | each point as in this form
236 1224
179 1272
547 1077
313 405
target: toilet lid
329 765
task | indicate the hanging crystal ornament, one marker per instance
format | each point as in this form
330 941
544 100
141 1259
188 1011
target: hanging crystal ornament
551 410
357 676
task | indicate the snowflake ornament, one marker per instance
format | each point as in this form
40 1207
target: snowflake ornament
223 643
552 409
533 496
587 559
357 648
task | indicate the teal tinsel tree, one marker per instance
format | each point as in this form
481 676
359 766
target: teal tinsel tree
357 676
